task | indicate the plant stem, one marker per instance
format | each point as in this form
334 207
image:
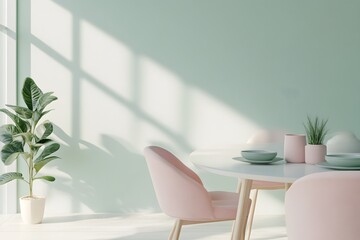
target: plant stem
31 169
31 159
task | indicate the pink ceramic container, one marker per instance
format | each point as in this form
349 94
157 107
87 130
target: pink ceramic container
315 153
294 148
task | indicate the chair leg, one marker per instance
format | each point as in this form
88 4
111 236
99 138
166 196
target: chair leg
172 231
287 186
175 232
251 213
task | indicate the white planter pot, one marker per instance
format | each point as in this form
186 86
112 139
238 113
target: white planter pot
315 153
32 209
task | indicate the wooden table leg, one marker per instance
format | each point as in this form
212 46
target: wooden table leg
238 188
241 215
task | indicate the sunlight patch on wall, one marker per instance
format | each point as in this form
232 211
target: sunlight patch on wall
96 115
46 71
42 73
65 185
160 92
183 115
153 135
53 26
106 59
215 123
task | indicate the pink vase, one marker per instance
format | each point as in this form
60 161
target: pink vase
315 153
294 148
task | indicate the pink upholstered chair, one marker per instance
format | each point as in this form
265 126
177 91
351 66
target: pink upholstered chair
181 193
324 206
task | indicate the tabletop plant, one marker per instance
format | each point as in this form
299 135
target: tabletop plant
315 130
27 138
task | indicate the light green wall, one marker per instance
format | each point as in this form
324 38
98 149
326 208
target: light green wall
181 74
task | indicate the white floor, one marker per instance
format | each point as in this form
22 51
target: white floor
135 226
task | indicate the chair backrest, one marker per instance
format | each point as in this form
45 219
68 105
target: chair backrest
267 137
343 142
179 190
271 140
324 206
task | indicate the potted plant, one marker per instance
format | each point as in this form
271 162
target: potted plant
28 139
316 131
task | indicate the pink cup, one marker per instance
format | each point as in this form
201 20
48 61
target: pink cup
294 148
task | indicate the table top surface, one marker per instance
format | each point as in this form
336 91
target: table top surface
220 161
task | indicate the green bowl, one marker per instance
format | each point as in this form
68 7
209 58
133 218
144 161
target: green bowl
344 159
258 155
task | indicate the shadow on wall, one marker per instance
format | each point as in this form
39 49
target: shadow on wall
113 176
112 179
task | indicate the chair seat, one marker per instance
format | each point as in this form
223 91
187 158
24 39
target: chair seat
224 204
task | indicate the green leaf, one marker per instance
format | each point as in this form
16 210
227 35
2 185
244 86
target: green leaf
39 163
11 151
21 111
7 177
315 130
7 133
47 178
45 140
35 148
38 115
25 137
22 125
50 149
10 158
31 93
44 100
44 130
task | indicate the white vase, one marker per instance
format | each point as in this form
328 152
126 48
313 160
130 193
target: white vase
294 148
32 209
315 153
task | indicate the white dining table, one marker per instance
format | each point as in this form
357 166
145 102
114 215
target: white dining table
221 162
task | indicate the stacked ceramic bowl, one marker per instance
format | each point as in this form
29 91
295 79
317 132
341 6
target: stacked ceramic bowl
258 156
346 161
